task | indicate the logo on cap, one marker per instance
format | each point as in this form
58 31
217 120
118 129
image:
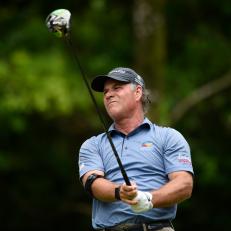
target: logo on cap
118 71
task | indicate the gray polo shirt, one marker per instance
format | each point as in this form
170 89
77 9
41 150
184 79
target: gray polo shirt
148 154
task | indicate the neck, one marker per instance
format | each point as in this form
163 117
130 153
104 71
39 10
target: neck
128 124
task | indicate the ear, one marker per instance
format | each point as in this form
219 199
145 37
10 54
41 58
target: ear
138 92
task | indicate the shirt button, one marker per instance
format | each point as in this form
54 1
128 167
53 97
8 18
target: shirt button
126 148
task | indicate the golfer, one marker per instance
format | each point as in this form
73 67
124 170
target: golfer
156 159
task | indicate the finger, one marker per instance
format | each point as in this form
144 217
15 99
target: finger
130 202
128 188
128 195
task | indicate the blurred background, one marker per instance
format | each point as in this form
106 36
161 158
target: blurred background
183 51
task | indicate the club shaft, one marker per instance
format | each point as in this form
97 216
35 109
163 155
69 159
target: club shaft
70 47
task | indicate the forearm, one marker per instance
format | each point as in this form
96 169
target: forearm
177 190
101 188
104 190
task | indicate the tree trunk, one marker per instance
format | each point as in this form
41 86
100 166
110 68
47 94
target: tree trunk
150 49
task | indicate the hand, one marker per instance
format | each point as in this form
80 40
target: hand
144 202
128 193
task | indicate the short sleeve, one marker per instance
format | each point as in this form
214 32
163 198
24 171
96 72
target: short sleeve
89 157
177 155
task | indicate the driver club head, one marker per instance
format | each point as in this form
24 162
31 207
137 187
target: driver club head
58 22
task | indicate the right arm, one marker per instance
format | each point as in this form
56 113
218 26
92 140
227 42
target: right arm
104 190
101 188
91 162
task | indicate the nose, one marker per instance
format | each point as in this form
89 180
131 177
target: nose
108 94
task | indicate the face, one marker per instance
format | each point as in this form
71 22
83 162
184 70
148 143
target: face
120 99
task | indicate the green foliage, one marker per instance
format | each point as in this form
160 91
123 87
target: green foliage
34 83
46 112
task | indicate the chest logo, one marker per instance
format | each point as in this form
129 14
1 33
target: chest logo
147 144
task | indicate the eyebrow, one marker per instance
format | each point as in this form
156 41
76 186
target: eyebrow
115 85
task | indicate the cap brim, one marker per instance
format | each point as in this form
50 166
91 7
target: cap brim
98 82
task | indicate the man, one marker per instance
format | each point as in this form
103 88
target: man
157 161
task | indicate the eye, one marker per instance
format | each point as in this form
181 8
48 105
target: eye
117 87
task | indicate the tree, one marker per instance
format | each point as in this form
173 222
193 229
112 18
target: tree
150 48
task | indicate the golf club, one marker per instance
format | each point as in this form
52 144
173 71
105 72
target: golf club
58 23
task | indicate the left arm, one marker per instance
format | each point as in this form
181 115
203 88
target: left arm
180 184
178 189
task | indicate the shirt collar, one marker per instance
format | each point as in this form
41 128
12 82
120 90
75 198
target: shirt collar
146 123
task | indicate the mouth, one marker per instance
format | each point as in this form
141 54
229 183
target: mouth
110 103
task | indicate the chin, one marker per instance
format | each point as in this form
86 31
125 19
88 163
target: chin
114 115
